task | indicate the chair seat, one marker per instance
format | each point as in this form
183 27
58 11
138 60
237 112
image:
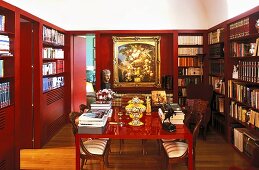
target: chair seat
168 140
95 146
175 149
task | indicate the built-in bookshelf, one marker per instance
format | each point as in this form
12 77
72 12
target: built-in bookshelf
53 59
7 88
243 85
190 62
217 77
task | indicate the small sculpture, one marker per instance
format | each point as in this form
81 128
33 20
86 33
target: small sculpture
257 25
169 112
106 75
148 109
235 72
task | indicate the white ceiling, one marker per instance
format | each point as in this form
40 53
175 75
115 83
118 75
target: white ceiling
134 14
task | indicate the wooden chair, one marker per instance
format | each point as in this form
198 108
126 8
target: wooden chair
204 92
91 149
176 151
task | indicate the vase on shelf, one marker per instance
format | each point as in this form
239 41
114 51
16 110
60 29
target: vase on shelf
257 25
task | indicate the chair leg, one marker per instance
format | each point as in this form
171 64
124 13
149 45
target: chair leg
106 159
159 146
143 147
121 143
101 165
204 132
82 163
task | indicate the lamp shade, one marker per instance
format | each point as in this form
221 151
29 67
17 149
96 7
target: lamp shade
89 87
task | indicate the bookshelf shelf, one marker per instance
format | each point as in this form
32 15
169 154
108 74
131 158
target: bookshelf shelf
245 38
183 56
6 33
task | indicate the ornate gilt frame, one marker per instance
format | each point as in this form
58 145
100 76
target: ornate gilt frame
146 75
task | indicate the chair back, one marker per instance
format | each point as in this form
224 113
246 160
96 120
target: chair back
72 118
195 118
199 91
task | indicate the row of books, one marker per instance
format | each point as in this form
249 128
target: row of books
4 45
218 105
190 71
190 40
182 92
217 67
243 49
188 80
245 141
50 83
239 28
216 36
239 112
182 101
244 94
2 23
238 138
189 61
49 68
5 99
53 53
189 51
247 71
53 36
1 68
218 84
216 50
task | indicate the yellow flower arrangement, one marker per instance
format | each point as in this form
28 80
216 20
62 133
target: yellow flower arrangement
135 105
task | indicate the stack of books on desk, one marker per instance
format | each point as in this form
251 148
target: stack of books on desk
105 106
93 122
101 105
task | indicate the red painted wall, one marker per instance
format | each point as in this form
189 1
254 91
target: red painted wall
104 55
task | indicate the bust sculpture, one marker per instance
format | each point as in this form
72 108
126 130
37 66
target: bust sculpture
106 75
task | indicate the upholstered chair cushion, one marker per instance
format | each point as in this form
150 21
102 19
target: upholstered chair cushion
175 149
95 146
168 140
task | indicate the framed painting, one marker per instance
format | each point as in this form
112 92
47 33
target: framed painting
158 97
136 61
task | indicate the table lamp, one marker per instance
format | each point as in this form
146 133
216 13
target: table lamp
90 89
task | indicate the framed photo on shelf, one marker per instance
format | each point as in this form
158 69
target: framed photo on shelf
158 97
136 61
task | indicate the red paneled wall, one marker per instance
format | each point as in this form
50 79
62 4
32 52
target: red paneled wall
104 54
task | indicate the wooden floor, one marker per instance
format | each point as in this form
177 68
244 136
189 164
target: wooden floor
59 153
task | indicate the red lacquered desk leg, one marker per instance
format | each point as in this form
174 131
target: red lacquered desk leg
77 153
190 154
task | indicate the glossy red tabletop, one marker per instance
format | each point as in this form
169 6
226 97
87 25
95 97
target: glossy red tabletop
151 129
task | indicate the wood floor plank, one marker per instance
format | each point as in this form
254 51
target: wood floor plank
59 153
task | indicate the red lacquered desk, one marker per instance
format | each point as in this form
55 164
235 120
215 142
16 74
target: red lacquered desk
152 129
